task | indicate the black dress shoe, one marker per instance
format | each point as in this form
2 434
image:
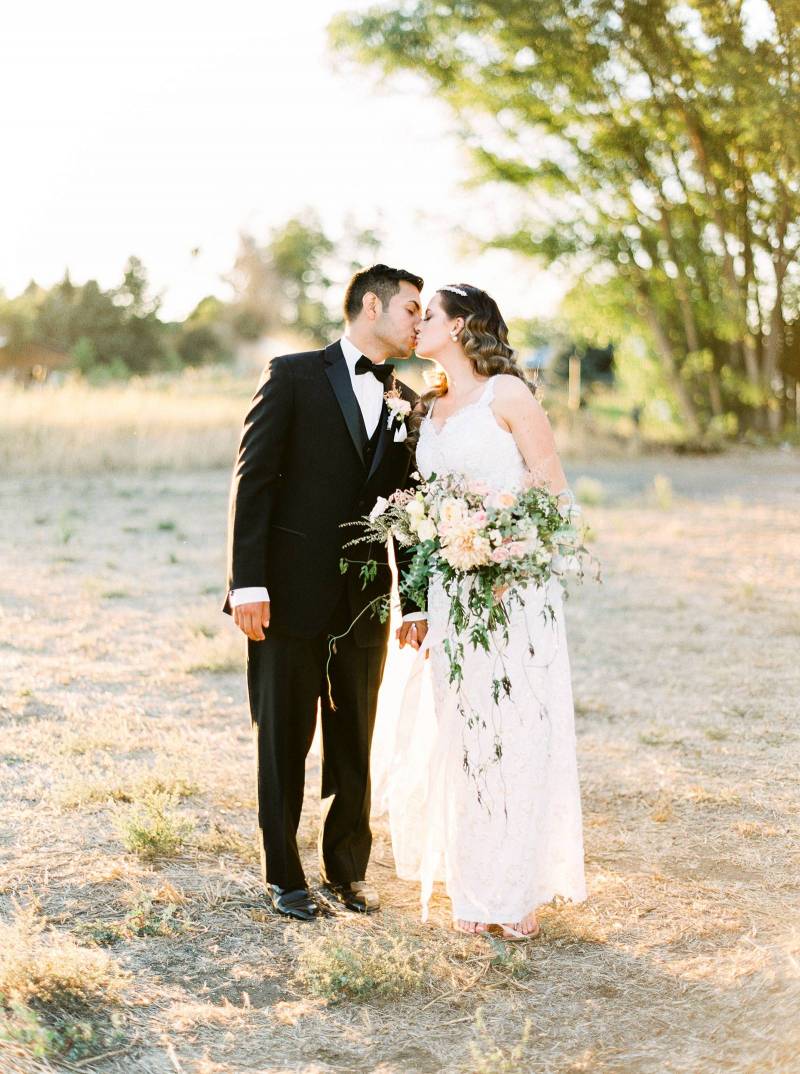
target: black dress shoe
358 896
298 904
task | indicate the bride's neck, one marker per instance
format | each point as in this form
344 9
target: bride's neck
460 374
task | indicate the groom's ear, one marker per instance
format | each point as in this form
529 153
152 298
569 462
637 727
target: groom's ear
371 305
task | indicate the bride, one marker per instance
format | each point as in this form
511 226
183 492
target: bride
515 842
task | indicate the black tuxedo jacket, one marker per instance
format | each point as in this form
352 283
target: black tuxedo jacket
300 473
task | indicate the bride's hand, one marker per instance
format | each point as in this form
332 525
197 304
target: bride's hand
412 633
498 592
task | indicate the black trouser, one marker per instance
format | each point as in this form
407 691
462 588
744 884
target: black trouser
286 679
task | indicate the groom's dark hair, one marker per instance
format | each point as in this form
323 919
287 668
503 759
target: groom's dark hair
381 281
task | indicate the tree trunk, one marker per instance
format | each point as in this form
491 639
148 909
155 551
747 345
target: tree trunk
772 351
667 355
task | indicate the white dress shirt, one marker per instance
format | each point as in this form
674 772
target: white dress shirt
368 391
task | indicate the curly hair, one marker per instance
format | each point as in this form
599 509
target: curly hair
484 338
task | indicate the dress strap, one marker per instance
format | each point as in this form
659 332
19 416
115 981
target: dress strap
487 395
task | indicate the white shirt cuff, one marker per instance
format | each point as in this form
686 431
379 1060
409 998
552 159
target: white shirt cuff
249 595
414 617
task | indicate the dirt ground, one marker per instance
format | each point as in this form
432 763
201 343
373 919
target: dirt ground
119 677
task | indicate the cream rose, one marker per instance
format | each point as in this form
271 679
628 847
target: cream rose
426 530
452 512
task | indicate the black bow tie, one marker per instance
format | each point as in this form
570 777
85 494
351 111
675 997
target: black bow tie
381 370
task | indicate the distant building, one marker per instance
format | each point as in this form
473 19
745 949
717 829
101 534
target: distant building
551 361
32 361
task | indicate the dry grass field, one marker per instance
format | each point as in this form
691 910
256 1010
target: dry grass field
134 936
166 422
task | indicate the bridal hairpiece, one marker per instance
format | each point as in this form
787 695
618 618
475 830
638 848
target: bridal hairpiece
455 290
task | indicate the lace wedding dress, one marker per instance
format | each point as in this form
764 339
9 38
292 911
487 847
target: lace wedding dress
505 834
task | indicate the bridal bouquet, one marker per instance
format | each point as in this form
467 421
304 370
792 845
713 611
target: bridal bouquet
483 546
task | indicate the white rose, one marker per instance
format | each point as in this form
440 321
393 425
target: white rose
426 530
415 509
400 406
452 511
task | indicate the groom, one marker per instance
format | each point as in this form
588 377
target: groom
319 447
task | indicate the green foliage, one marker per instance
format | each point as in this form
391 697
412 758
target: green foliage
116 331
655 149
345 964
107 335
58 1034
206 336
368 572
289 279
143 920
84 355
56 998
200 346
152 828
110 334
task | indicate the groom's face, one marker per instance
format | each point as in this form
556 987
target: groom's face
397 324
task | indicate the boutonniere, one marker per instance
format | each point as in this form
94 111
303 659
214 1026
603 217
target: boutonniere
399 409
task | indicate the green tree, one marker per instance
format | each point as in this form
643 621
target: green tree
290 279
118 330
206 337
655 142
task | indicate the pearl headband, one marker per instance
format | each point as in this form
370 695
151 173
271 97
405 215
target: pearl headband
455 290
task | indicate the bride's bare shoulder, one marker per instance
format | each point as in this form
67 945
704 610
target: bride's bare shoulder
514 391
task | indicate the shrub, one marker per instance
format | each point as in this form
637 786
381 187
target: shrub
152 828
343 964
56 998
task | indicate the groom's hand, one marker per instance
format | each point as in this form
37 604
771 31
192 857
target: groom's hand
412 633
252 619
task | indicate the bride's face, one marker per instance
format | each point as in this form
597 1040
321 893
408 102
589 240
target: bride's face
433 334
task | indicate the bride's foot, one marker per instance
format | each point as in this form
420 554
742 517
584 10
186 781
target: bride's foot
470 927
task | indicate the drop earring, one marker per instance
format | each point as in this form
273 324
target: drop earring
454 336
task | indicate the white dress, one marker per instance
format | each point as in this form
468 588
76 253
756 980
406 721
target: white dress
505 835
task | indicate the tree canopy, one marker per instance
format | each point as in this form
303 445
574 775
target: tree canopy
112 332
652 145
288 279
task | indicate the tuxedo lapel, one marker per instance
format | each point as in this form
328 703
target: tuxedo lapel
384 439
337 373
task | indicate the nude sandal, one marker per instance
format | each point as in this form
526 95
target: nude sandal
512 935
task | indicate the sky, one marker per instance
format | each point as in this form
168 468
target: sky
159 129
